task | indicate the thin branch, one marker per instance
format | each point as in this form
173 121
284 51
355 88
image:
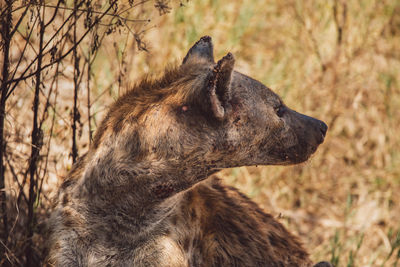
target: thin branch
47 105
15 175
54 13
16 81
89 65
6 21
100 13
51 128
12 11
10 253
20 20
76 88
23 51
37 138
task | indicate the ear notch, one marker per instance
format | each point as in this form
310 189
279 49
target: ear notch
202 49
219 85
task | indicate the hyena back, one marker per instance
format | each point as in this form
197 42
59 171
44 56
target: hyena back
146 195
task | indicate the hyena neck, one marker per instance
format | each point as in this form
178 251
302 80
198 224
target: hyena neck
148 188
145 175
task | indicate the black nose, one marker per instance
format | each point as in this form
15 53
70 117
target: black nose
323 263
323 127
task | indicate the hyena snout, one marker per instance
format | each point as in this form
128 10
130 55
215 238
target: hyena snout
309 134
316 129
310 130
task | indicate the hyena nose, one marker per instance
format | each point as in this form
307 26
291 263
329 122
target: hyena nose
323 264
323 127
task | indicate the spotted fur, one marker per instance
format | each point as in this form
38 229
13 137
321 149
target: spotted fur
146 193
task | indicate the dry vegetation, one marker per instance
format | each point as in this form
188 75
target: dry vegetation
335 60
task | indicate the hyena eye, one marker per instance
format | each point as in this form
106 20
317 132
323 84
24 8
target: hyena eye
280 110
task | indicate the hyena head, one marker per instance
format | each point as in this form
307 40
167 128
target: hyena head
206 114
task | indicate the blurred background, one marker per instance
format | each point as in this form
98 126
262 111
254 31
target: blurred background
64 62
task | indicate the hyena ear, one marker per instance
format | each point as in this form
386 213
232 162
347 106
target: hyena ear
219 85
202 49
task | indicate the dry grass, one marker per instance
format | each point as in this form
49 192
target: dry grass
344 202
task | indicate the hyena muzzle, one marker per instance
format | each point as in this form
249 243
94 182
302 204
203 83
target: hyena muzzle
146 193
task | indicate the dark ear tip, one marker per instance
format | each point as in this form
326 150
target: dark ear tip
206 38
203 48
229 56
228 59
204 41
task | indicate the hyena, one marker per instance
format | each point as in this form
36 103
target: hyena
146 193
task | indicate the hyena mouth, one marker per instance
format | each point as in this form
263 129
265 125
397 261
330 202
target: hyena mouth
314 148
300 154
319 141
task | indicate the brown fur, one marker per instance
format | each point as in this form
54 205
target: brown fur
145 193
